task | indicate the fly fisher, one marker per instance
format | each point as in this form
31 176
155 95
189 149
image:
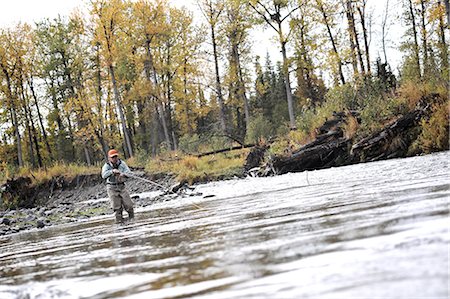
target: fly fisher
115 172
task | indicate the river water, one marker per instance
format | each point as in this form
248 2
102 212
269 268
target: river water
374 230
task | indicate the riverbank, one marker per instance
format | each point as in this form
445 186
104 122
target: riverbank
82 198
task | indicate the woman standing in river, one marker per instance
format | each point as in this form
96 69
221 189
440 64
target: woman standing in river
114 171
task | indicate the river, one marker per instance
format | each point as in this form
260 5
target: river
373 230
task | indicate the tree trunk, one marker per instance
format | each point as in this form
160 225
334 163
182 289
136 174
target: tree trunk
240 86
362 15
41 123
31 129
276 17
383 30
416 43
71 137
423 30
128 146
167 105
287 82
60 132
12 108
159 113
17 134
333 42
443 47
155 137
244 99
351 35
222 119
101 125
86 155
190 129
142 125
447 10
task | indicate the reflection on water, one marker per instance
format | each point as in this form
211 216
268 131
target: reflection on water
369 230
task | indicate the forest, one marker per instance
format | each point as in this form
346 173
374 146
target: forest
149 78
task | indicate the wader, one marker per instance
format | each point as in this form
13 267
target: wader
120 200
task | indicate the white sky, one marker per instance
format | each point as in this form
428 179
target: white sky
14 11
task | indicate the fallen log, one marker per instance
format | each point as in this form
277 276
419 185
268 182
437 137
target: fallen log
255 157
329 154
332 148
394 139
223 150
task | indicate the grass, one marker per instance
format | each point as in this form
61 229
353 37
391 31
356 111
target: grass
194 169
183 167
41 175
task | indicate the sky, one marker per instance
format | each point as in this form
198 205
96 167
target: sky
14 11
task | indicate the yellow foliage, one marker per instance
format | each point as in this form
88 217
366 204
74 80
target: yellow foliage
195 169
411 92
435 131
351 126
68 171
190 162
297 138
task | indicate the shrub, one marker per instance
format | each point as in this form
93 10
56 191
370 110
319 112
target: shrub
351 127
190 162
189 143
259 128
435 130
195 169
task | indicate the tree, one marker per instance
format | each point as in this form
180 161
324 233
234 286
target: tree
236 29
10 55
328 22
385 28
361 8
310 89
270 12
108 17
410 18
355 50
212 10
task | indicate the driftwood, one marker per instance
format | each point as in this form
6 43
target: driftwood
331 148
390 142
395 139
328 154
255 157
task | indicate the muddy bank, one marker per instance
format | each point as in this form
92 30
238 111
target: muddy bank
62 201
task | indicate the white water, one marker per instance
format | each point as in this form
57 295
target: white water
375 230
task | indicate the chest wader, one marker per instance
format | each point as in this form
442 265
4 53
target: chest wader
120 200
119 197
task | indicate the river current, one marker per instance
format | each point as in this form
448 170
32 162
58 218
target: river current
373 230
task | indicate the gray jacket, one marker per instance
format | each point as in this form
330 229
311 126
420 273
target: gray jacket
108 174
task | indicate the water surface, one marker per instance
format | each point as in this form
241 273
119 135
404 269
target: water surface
374 230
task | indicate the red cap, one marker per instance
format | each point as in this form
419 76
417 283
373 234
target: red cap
113 153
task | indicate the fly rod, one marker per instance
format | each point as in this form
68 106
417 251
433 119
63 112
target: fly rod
130 175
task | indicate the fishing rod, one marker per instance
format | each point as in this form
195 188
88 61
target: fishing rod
130 175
